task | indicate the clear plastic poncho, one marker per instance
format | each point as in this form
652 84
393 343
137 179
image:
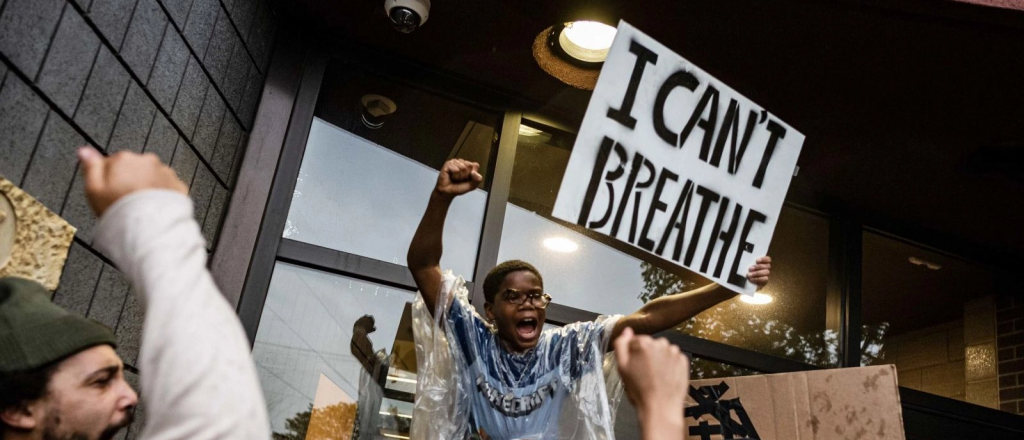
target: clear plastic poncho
470 387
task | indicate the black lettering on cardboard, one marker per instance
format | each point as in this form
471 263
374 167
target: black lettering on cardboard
636 198
644 56
697 119
730 132
744 247
726 236
777 132
707 198
678 79
638 160
595 180
682 205
656 205
713 235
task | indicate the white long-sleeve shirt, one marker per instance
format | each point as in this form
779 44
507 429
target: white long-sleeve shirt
198 378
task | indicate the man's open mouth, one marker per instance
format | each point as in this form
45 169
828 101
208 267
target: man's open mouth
527 328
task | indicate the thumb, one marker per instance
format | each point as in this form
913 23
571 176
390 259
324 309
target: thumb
93 169
622 346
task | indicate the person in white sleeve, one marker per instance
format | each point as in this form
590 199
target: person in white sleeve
60 378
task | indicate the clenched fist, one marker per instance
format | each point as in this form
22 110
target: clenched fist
107 179
458 177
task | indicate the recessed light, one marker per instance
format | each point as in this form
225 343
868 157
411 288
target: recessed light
586 41
758 298
561 244
919 262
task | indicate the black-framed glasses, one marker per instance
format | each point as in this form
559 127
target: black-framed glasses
538 299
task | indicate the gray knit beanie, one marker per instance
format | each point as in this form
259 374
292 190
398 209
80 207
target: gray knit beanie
35 332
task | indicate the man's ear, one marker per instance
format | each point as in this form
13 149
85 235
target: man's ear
22 417
489 311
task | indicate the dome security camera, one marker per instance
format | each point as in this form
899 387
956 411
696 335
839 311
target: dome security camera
407 15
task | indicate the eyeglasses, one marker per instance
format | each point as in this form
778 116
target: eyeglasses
538 299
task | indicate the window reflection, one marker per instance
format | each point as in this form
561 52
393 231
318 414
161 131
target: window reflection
598 274
939 316
334 355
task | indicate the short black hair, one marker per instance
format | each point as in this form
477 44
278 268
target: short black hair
20 388
497 276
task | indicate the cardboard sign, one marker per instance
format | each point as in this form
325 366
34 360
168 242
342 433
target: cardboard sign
673 161
861 403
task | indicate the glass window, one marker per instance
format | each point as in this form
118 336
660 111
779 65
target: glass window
363 190
325 346
595 273
935 317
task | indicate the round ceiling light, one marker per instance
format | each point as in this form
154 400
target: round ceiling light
758 298
561 244
586 41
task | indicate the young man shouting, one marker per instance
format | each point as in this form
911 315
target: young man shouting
516 381
60 378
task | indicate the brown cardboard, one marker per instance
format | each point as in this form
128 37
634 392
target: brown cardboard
848 403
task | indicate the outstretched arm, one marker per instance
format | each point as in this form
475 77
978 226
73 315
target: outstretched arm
456 178
668 311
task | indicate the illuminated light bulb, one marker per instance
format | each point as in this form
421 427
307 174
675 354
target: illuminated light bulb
587 40
561 244
758 298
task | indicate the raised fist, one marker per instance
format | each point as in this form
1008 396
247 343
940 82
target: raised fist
107 179
458 177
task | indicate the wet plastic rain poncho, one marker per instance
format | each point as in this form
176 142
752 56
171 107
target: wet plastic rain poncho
469 386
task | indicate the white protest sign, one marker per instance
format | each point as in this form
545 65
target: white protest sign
673 161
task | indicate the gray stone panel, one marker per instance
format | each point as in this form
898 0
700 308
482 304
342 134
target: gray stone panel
25 30
184 162
222 44
201 192
242 14
162 139
205 138
109 299
69 61
199 27
3 67
78 281
178 10
218 206
239 153
101 101
236 77
224 154
22 114
133 122
129 330
142 41
168 70
53 165
112 17
253 90
259 37
77 211
190 97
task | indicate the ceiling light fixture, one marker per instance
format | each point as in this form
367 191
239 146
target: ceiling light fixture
561 244
586 41
758 298
919 262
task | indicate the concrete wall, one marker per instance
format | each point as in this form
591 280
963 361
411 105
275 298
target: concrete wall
179 78
930 359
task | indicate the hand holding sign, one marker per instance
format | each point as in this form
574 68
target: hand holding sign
674 162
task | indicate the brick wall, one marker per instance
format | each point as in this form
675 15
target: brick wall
179 78
930 359
1010 342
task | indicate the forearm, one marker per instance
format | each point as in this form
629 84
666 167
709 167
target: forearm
661 422
426 247
198 379
669 311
